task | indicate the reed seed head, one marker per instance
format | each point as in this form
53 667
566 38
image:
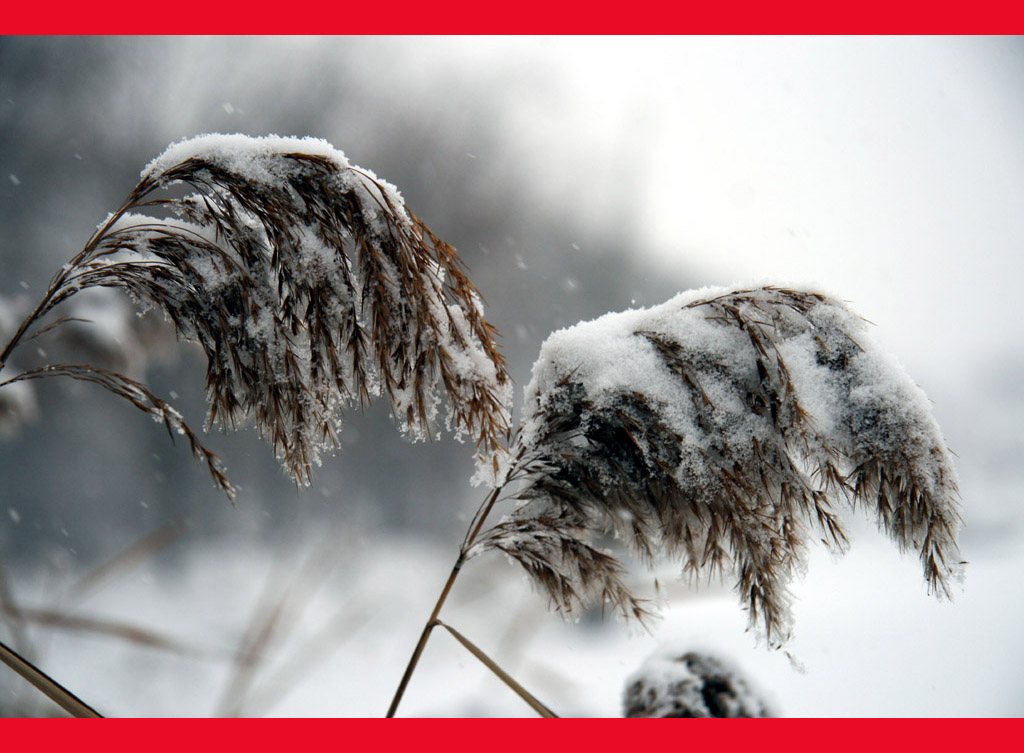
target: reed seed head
311 289
723 429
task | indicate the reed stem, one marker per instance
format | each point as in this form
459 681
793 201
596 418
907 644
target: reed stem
474 530
47 685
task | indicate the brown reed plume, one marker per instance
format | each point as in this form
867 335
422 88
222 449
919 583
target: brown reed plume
721 429
309 286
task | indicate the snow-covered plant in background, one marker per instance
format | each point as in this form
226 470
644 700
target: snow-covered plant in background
721 429
99 327
17 401
691 686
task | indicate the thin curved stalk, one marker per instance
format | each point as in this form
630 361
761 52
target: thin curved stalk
47 685
475 525
60 279
424 637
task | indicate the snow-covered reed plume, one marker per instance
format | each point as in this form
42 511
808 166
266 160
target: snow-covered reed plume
691 686
722 429
310 287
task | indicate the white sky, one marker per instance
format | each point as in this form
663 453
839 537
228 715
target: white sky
890 171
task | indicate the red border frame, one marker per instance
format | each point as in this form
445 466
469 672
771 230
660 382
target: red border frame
514 736
521 16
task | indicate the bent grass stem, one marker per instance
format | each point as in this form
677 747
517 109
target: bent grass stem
52 689
475 526
504 676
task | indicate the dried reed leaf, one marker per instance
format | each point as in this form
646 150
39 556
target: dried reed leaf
141 636
139 396
502 675
127 560
304 659
12 614
272 619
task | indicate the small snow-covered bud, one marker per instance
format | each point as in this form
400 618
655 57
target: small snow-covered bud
693 685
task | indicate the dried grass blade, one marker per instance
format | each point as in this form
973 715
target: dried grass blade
47 685
9 606
341 627
270 623
53 325
504 676
142 398
123 631
128 560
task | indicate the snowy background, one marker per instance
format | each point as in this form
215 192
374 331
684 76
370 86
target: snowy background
575 176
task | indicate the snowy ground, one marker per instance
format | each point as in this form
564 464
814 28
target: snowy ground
869 641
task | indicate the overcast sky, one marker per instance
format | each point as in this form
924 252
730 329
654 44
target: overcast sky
888 170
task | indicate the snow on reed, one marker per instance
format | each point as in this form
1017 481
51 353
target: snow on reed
311 289
722 429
